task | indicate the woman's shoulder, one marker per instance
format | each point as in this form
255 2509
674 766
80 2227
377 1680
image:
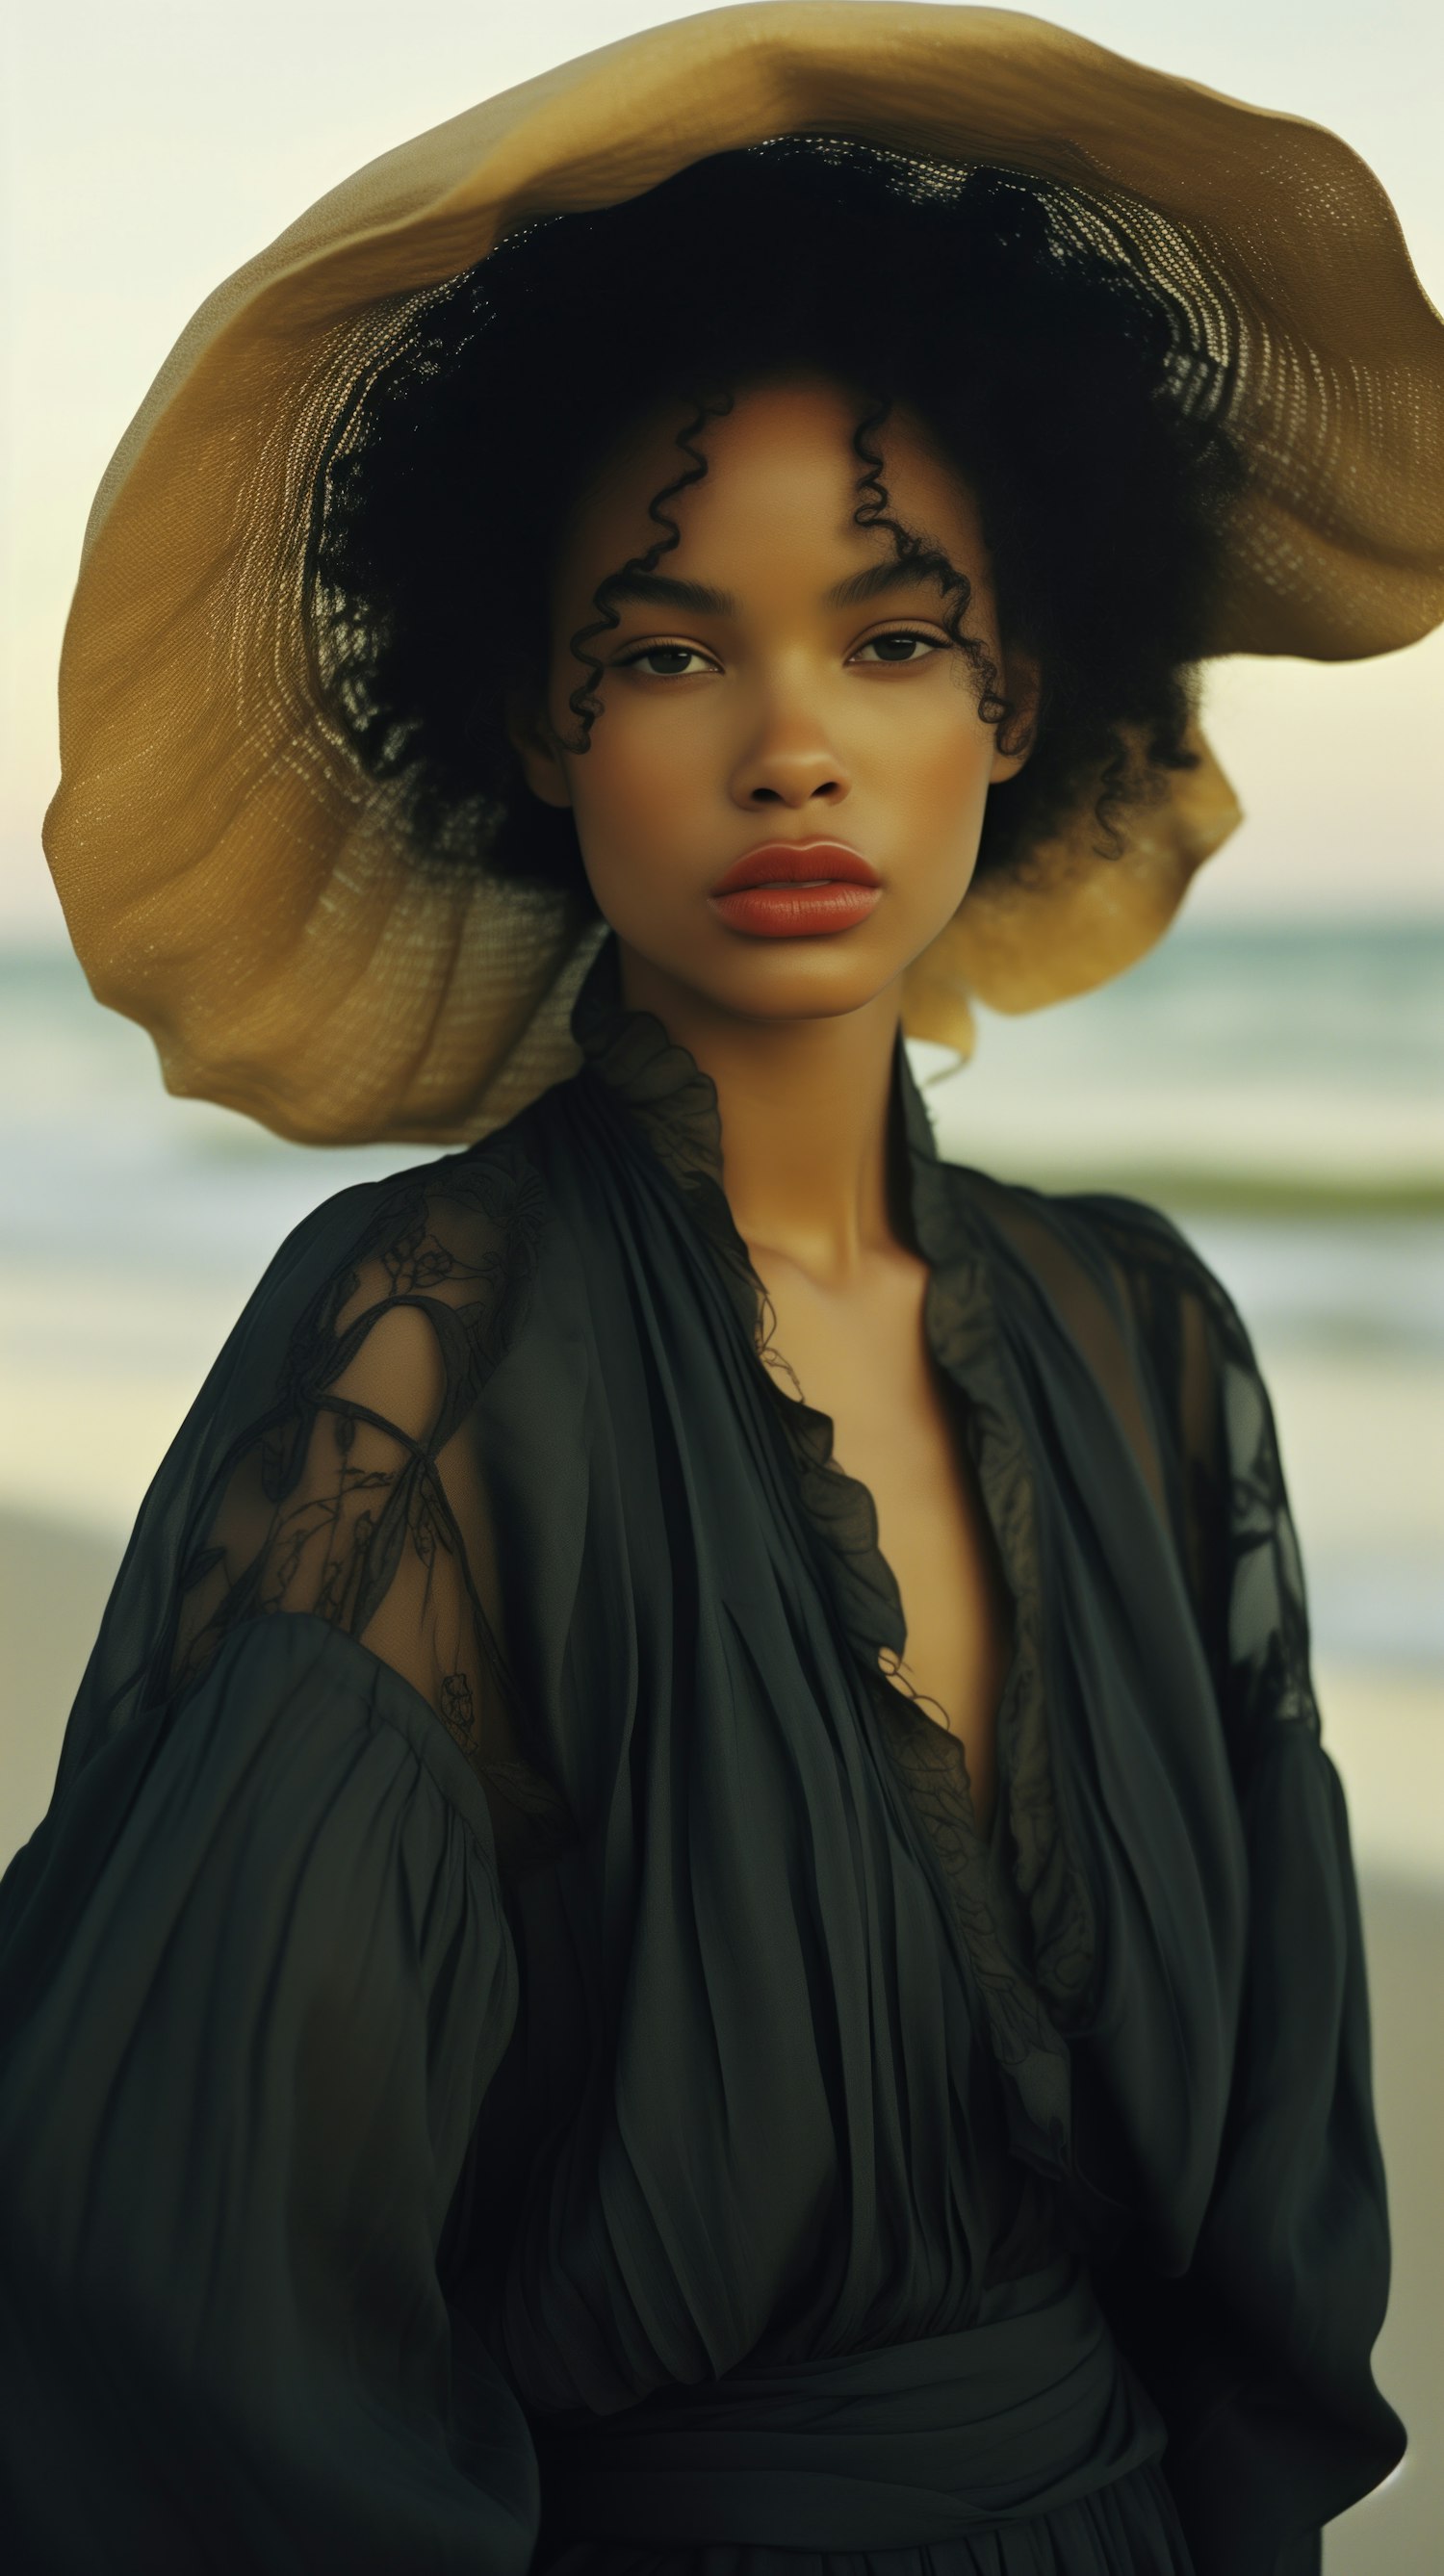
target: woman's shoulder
378 1320
1157 1329
1088 1244
330 1465
490 1190
458 1230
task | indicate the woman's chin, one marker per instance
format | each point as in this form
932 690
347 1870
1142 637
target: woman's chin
762 979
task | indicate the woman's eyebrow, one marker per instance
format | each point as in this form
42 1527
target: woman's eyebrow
662 591
895 573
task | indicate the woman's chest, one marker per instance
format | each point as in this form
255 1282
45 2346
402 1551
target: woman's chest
863 1359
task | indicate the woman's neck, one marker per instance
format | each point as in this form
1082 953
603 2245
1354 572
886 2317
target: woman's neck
805 1108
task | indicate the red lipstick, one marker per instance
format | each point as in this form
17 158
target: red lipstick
796 890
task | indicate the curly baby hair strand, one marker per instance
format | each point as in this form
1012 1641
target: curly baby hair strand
583 700
875 511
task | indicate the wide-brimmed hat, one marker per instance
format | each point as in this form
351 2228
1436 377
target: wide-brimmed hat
235 881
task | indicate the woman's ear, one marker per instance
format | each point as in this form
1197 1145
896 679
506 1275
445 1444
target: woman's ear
536 747
1021 682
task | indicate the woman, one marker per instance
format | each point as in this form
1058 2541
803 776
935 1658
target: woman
693 1908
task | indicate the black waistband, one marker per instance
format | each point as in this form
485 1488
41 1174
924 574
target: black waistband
911 2444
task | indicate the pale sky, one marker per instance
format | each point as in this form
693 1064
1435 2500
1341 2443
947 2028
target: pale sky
152 146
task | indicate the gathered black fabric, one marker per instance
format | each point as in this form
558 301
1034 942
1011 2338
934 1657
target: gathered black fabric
517 2052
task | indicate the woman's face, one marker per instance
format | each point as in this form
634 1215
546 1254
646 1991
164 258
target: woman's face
781 680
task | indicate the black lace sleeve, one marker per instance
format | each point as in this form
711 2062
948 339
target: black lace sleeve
1219 1450
1261 2351
256 1968
336 1465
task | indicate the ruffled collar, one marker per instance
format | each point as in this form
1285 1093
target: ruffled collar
666 1096
1021 1904
675 1104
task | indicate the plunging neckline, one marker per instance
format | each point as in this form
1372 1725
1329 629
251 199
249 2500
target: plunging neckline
676 1103
916 1701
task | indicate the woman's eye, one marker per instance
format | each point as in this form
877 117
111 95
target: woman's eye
900 647
666 661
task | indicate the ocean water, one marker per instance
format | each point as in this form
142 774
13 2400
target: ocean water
1280 1092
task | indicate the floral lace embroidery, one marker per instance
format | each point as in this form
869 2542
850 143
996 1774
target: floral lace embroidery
1236 1530
339 1496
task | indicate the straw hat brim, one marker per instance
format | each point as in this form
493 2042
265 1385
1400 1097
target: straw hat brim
229 877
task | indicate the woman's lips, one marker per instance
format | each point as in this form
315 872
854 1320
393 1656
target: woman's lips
797 890
795 911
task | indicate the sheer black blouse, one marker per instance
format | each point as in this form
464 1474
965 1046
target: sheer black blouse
516 2050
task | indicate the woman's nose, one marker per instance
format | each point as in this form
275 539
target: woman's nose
790 762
